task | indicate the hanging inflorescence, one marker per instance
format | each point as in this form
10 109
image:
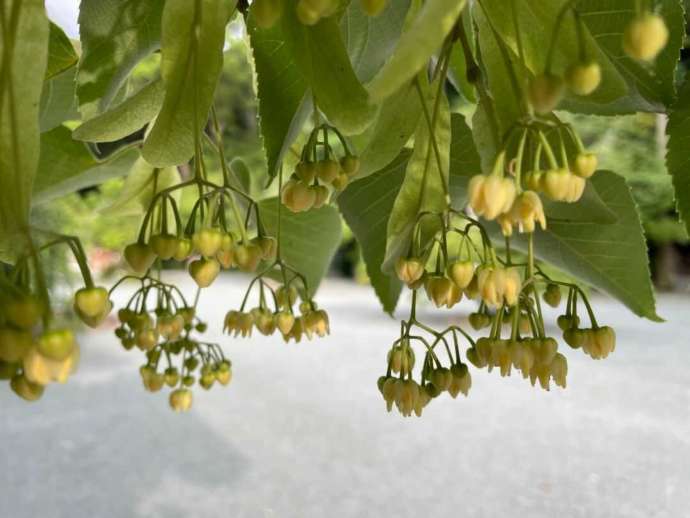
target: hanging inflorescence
36 347
538 156
319 173
223 231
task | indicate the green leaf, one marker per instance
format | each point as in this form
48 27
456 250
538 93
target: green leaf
458 64
612 258
125 118
242 175
425 35
67 166
142 183
396 122
322 58
422 189
61 53
506 101
371 40
677 155
366 205
59 100
190 70
281 90
115 35
590 208
309 239
464 160
458 75
23 62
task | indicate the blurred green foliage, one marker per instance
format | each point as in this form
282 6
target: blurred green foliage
633 146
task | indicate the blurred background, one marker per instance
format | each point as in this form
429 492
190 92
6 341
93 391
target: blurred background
302 430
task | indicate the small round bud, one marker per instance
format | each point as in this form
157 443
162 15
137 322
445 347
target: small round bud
163 245
350 165
645 37
181 400
140 257
340 182
583 78
461 273
23 311
91 301
321 194
298 196
327 170
25 388
204 271
545 92
552 295
58 344
14 344
306 171
183 249
409 270
248 256
207 241
284 321
585 164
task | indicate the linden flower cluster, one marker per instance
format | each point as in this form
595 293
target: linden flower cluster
398 387
207 240
597 342
457 272
319 172
277 310
459 259
510 196
164 333
309 12
34 352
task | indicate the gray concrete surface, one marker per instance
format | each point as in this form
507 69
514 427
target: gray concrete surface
302 432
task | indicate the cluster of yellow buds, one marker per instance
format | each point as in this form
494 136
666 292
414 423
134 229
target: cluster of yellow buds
410 396
207 241
452 274
198 357
283 318
32 363
319 172
536 358
164 334
34 351
443 288
510 193
597 341
215 236
509 294
398 387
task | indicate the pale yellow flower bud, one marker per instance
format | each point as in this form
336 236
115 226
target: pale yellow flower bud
527 211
